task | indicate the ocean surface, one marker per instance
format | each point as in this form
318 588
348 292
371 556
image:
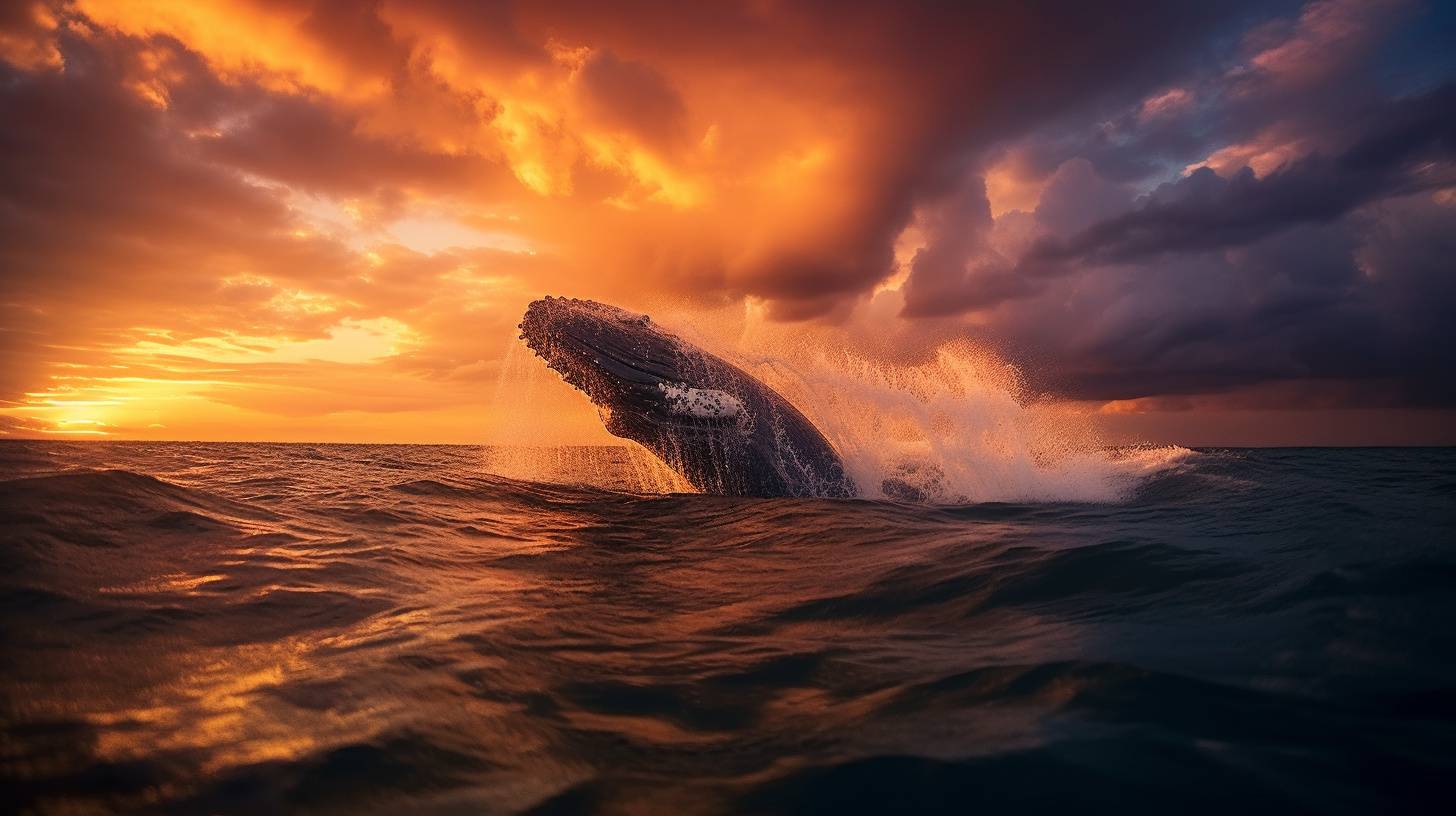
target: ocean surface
253 628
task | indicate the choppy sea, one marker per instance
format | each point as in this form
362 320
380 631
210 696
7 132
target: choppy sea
257 628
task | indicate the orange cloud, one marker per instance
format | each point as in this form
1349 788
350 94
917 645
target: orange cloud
322 219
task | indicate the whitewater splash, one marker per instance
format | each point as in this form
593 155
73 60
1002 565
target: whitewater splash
956 429
547 431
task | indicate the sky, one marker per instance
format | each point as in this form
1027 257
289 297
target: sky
1214 223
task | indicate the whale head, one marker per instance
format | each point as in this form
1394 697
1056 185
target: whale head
723 430
643 380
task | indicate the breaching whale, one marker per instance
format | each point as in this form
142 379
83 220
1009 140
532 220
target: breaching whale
719 428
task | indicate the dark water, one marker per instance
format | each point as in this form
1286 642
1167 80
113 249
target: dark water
275 628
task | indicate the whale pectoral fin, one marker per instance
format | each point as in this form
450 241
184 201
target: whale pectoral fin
701 403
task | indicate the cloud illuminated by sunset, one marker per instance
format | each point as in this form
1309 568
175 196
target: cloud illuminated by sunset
235 219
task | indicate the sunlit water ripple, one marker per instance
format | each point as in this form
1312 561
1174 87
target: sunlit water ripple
210 628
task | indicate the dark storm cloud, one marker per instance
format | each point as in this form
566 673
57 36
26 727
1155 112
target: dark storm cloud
1408 149
1347 307
1300 259
1311 68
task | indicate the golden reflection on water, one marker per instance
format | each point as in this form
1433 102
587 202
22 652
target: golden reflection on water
207 702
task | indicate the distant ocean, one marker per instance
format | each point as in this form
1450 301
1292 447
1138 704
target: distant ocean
257 628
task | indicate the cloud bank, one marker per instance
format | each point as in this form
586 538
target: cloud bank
228 218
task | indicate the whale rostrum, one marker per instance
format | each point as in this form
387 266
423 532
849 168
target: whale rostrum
721 429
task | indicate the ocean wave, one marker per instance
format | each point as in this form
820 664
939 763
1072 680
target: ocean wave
128 496
399 630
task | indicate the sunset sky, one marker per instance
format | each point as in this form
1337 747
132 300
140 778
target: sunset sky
1213 223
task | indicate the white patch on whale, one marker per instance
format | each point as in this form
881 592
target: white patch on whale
700 403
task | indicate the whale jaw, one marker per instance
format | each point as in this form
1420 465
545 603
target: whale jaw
722 430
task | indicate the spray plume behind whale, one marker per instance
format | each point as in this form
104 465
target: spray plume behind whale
719 428
956 427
